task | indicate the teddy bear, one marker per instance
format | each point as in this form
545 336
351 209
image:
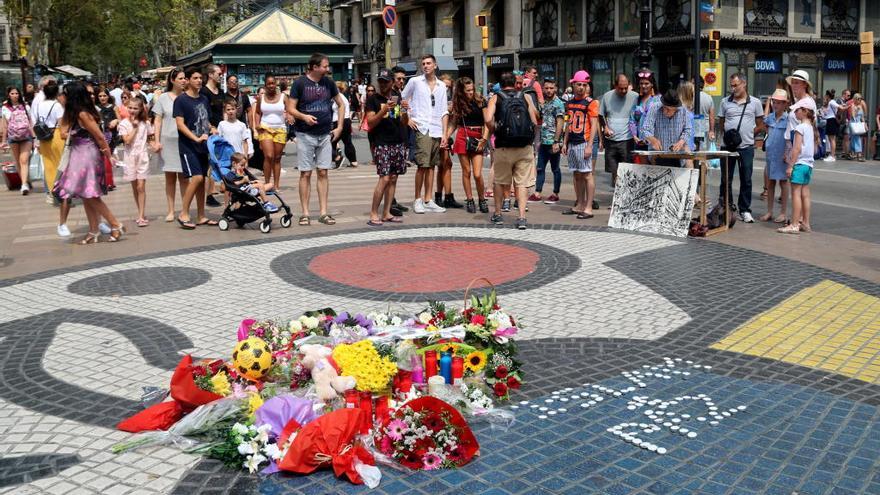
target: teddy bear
328 383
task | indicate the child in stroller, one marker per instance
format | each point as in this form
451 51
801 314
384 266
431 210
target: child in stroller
248 197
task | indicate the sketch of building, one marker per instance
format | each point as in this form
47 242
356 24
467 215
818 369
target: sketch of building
653 199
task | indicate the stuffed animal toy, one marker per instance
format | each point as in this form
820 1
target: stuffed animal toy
328 383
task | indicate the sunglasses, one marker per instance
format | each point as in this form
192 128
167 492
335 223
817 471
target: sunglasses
549 79
371 91
645 75
432 100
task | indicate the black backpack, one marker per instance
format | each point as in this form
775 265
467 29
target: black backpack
514 127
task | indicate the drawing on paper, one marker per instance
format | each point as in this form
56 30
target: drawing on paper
653 199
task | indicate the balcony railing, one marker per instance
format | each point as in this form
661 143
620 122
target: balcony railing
840 20
767 18
372 7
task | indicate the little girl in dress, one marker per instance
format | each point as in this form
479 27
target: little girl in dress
136 131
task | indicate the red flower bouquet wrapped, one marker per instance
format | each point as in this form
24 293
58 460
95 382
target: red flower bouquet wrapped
427 433
186 394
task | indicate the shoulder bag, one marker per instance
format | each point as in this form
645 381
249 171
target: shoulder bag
732 139
41 129
858 128
471 145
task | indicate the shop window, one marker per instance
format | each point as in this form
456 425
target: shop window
766 17
459 30
430 23
496 23
600 26
572 29
672 17
840 19
331 26
404 36
546 22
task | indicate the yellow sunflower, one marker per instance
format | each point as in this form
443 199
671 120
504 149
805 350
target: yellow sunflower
475 361
450 348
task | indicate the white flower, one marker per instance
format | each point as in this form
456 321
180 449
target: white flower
252 428
396 321
424 318
239 428
272 451
245 448
296 326
253 462
310 322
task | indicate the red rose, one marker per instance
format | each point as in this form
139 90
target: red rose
496 307
500 389
441 315
478 320
513 383
199 371
501 372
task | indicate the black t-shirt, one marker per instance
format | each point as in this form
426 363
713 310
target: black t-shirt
315 99
474 117
390 129
215 102
196 117
244 105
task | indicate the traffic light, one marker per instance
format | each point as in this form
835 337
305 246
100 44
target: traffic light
714 44
483 23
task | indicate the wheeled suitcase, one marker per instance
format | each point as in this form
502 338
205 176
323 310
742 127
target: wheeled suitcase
10 173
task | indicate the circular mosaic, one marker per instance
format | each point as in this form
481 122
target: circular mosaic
140 281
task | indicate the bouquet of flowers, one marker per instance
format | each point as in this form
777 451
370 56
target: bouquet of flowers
349 328
362 360
428 434
245 445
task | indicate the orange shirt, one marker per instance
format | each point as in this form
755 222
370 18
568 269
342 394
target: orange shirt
579 114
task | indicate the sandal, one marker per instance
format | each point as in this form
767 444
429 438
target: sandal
804 228
765 217
584 216
327 220
780 219
91 238
116 233
186 225
572 212
789 229
142 222
393 220
374 223
207 222
169 217
304 220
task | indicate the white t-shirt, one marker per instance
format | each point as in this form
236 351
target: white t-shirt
807 149
7 113
236 133
116 93
831 110
347 110
793 122
50 111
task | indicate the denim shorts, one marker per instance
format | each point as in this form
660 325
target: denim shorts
801 174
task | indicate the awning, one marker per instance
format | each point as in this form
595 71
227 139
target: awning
272 58
72 71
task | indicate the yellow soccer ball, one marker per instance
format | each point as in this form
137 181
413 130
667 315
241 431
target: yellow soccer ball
252 358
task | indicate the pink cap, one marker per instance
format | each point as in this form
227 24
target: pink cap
580 76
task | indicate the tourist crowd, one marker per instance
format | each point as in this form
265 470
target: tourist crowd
80 131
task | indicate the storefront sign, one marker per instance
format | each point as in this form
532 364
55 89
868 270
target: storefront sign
464 63
768 65
713 78
601 64
839 65
546 69
500 61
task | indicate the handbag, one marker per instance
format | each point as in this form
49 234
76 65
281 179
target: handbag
35 167
42 130
858 128
732 139
471 145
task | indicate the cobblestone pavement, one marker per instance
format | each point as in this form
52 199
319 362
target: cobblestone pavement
653 365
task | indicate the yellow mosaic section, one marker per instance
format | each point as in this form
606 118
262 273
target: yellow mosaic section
828 326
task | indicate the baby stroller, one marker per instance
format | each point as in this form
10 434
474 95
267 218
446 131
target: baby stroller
243 208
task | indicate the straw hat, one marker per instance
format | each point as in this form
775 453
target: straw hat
800 75
780 94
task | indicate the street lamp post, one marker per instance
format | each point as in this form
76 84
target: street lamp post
644 35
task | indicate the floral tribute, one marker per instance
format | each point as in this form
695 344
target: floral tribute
343 391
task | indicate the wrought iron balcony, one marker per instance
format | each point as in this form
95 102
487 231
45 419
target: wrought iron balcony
840 20
767 18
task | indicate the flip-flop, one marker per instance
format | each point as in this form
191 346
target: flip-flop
393 220
584 216
571 212
207 222
186 225
372 223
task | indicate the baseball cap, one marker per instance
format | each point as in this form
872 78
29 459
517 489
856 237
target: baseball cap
385 75
580 76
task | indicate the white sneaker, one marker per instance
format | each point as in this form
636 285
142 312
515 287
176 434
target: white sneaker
63 231
419 206
25 189
104 228
747 217
434 207
830 158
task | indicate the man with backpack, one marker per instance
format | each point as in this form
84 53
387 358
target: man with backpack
513 118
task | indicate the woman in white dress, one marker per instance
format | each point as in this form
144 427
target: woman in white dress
166 128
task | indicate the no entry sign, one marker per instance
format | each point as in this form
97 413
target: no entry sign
389 17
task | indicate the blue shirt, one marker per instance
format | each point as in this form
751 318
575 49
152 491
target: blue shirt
315 99
775 143
669 130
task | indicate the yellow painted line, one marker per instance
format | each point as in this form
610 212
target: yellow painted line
828 326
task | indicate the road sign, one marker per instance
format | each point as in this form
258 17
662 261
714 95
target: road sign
391 2
389 17
712 77
390 31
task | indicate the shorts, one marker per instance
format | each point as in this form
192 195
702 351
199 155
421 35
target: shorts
249 189
278 136
390 159
576 160
194 163
427 151
617 152
11 141
832 128
512 165
801 174
137 167
313 152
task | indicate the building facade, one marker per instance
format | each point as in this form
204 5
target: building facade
764 39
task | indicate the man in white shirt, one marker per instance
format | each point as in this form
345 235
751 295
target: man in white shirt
428 116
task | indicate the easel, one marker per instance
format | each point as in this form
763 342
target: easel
701 160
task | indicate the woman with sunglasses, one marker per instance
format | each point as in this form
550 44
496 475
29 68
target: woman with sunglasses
647 97
467 117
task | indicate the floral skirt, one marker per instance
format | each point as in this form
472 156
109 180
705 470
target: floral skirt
84 176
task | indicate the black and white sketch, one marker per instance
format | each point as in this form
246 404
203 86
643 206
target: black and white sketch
653 199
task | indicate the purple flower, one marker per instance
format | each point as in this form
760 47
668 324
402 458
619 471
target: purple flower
244 328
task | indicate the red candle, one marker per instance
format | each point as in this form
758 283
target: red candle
404 381
367 407
382 408
351 398
457 370
430 364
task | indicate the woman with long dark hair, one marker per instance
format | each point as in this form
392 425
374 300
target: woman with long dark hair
165 129
18 133
648 96
467 118
271 118
83 176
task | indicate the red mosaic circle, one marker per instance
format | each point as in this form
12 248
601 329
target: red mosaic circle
424 266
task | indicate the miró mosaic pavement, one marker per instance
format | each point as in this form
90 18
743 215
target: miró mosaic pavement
644 363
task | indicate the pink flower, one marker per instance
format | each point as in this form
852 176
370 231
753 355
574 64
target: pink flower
386 445
396 429
431 461
244 328
505 332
